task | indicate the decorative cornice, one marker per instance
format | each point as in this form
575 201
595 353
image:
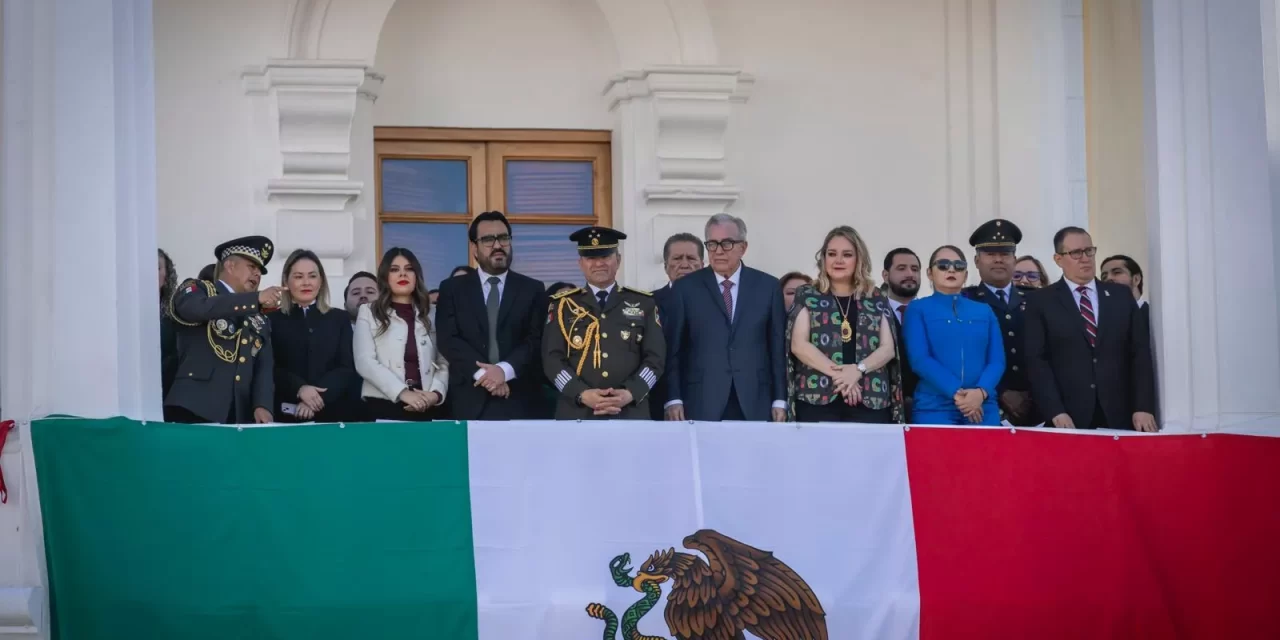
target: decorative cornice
312 194
311 75
724 195
680 82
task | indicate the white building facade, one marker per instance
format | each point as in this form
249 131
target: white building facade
131 124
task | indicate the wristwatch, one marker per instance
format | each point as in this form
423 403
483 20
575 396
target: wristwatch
862 367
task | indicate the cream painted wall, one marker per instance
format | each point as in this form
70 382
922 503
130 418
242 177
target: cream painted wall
208 182
495 63
865 113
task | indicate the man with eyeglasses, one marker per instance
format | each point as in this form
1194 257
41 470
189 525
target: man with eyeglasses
489 324
995 244
726 357
1088 353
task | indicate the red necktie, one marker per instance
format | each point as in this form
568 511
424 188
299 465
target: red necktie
1086 310
902 313
728 297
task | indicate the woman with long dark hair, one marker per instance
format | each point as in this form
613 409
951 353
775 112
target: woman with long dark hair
314 366
841 340
955 347
168 280
405 375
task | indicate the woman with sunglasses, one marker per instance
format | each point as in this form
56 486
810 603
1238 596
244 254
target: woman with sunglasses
955 347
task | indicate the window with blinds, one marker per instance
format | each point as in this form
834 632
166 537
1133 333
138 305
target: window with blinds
432 182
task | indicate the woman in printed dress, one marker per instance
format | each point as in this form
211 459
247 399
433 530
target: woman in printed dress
842 346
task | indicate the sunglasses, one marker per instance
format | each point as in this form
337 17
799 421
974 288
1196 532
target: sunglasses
1033 276
950 265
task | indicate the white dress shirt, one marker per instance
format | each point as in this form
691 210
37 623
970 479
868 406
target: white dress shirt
507 369
1092 287
596 290
736 279
1008 291
895 305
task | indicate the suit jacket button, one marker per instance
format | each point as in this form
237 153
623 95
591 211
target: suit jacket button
1008 316
237 378
1093 386
603 316
241 359
1013 350
604 373
1010 334
244 341
604 355
1015 367
604 335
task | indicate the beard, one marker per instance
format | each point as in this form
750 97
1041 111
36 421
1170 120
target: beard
488 263
904 291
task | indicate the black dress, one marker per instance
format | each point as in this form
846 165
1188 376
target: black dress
314 348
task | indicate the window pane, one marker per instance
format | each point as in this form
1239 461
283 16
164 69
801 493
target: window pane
544 252
429 186
550 186
439 246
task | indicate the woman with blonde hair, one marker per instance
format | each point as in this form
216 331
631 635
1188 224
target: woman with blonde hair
315 373
841 340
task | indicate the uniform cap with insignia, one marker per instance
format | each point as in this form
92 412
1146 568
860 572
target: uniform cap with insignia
998 236
597 242
255 248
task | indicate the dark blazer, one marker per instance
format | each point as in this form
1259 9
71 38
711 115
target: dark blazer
168 352
314 348
707 355
462 330
1068 376
224 354
658 397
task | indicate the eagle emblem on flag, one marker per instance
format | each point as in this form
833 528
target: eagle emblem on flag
737 588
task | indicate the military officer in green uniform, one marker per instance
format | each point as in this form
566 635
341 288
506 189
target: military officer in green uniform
224 342
603 347
995 243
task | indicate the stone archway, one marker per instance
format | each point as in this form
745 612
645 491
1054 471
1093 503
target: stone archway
647 32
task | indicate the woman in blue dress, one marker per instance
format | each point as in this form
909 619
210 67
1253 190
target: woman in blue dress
955 346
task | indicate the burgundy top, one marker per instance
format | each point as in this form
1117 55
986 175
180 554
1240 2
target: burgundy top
411 370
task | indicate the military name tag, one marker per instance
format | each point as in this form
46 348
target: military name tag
633 310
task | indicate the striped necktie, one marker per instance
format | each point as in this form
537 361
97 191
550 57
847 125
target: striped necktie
1090 320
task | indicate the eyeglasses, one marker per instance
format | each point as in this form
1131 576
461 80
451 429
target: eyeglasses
724 245
951 265
490 241
1033 276
1076 254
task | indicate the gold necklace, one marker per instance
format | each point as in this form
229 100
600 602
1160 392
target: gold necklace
846 329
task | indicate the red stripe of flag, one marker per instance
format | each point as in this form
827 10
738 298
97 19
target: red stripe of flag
1047 535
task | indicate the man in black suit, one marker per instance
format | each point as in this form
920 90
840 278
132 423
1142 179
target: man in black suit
902 280
995 244
726 356
1088 353
489 325
682 254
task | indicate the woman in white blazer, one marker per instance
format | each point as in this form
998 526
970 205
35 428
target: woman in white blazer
405 375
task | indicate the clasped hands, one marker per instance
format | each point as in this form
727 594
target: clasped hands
606 402
419 400
494 380
847 381
310 402
969 402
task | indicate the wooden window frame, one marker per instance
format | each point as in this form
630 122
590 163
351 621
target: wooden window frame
486 152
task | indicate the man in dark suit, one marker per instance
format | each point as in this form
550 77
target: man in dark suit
225 365
726 357
682 254
1088 354
489 325
902 281
995 244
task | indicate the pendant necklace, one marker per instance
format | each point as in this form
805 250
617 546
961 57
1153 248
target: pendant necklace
846 330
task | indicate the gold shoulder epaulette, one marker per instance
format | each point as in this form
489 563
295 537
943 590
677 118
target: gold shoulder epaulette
639 291
566 292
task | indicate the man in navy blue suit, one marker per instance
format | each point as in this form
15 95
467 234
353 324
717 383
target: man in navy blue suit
725 336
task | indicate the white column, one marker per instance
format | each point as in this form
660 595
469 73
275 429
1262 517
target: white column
79 315
669 157
308 109
1210 216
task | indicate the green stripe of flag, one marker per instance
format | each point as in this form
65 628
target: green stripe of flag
182 531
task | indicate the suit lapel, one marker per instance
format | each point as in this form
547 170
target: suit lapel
476 295
742 297
712 282
507 300
1111 306
1068 299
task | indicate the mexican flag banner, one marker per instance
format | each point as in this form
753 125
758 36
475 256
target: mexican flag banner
568 530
